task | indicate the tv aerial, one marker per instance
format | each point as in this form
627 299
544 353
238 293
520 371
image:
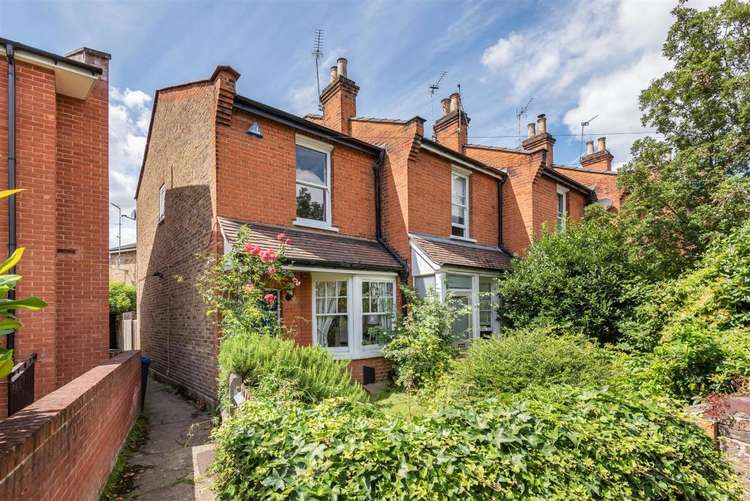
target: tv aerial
521 113
585 124
318 38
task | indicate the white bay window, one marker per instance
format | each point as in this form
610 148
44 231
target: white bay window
352 312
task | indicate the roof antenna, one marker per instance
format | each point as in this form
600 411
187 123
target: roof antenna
433 88
521 113
586 124
317 54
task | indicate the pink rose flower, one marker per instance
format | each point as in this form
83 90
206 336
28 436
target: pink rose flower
281 236
250 248
288 241
271 270
269 298
296 282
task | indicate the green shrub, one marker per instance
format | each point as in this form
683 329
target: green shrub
578 278
559 443
511 363
121 297
270 365
693 363
422 345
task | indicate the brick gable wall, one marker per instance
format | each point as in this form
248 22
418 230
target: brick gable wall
174 328
604 183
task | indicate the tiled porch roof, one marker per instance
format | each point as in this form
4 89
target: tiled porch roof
313 248
464 254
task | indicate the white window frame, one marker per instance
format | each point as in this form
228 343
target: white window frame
441 281
465 175
355 350
561 217
327 149
162 202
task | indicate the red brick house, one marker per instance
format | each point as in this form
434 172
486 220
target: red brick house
54 144
368 203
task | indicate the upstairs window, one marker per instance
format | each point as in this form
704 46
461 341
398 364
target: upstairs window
562 208
460 205
313 162
162 201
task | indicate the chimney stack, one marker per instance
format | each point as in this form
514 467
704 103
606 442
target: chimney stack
452 129
539 139
339 99
541 124
601 159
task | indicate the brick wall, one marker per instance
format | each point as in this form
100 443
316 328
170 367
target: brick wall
63 446
122 268
604 183
82 205
174 328
256 178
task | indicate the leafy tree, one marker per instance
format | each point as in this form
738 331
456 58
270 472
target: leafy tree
579 278
121 297
689 187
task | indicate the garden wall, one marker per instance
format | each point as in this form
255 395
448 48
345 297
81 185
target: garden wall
64 445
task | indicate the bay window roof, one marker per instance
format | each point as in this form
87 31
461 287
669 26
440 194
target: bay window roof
315 248
443 252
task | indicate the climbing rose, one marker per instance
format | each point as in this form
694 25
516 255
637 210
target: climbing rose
269 298
267 256
296 282
288 241
281 236
250 248
271 270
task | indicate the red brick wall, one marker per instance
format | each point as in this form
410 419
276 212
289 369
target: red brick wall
605 183
296 314
63 446
82 232
256 178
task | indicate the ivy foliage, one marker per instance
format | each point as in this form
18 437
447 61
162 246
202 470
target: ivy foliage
556 443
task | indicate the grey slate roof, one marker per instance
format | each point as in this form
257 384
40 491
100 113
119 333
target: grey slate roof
315 248
464 254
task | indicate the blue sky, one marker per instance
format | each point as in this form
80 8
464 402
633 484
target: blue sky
576 58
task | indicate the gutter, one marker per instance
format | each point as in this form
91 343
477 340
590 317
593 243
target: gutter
12 243
500 201
377 169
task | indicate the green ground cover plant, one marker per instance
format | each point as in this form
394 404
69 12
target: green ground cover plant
556 443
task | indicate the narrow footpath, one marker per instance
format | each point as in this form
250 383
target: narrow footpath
171 464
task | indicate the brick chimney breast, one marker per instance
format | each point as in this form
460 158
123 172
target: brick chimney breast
452 129
601 159
225 80
339 99
539 139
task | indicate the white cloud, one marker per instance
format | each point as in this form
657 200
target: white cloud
129 115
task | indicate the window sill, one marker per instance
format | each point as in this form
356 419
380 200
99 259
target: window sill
358 356
315 224
464 239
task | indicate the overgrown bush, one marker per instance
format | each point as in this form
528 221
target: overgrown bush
694 362
422 345
513 362
121 297
578 278
271 366
559 443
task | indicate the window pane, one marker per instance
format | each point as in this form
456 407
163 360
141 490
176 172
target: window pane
311 166
311 203
560 204
462 323
373 327
458 215
458 281
458 231
332 331
459 188
425 285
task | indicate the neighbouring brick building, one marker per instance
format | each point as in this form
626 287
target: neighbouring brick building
54 114
122 264
368 202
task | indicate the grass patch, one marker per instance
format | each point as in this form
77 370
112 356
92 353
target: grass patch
120 482
395 402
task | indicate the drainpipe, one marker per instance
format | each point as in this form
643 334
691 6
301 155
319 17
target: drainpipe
12 244
376 170
500 184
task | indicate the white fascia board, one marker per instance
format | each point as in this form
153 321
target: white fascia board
69 80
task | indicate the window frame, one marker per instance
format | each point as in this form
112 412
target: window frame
327 149
466 176
473 294
561 217
162 202
356 350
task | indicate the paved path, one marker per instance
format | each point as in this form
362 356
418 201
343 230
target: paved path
171 464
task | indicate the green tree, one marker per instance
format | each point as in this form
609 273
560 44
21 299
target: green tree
121 297
579 278
691 186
